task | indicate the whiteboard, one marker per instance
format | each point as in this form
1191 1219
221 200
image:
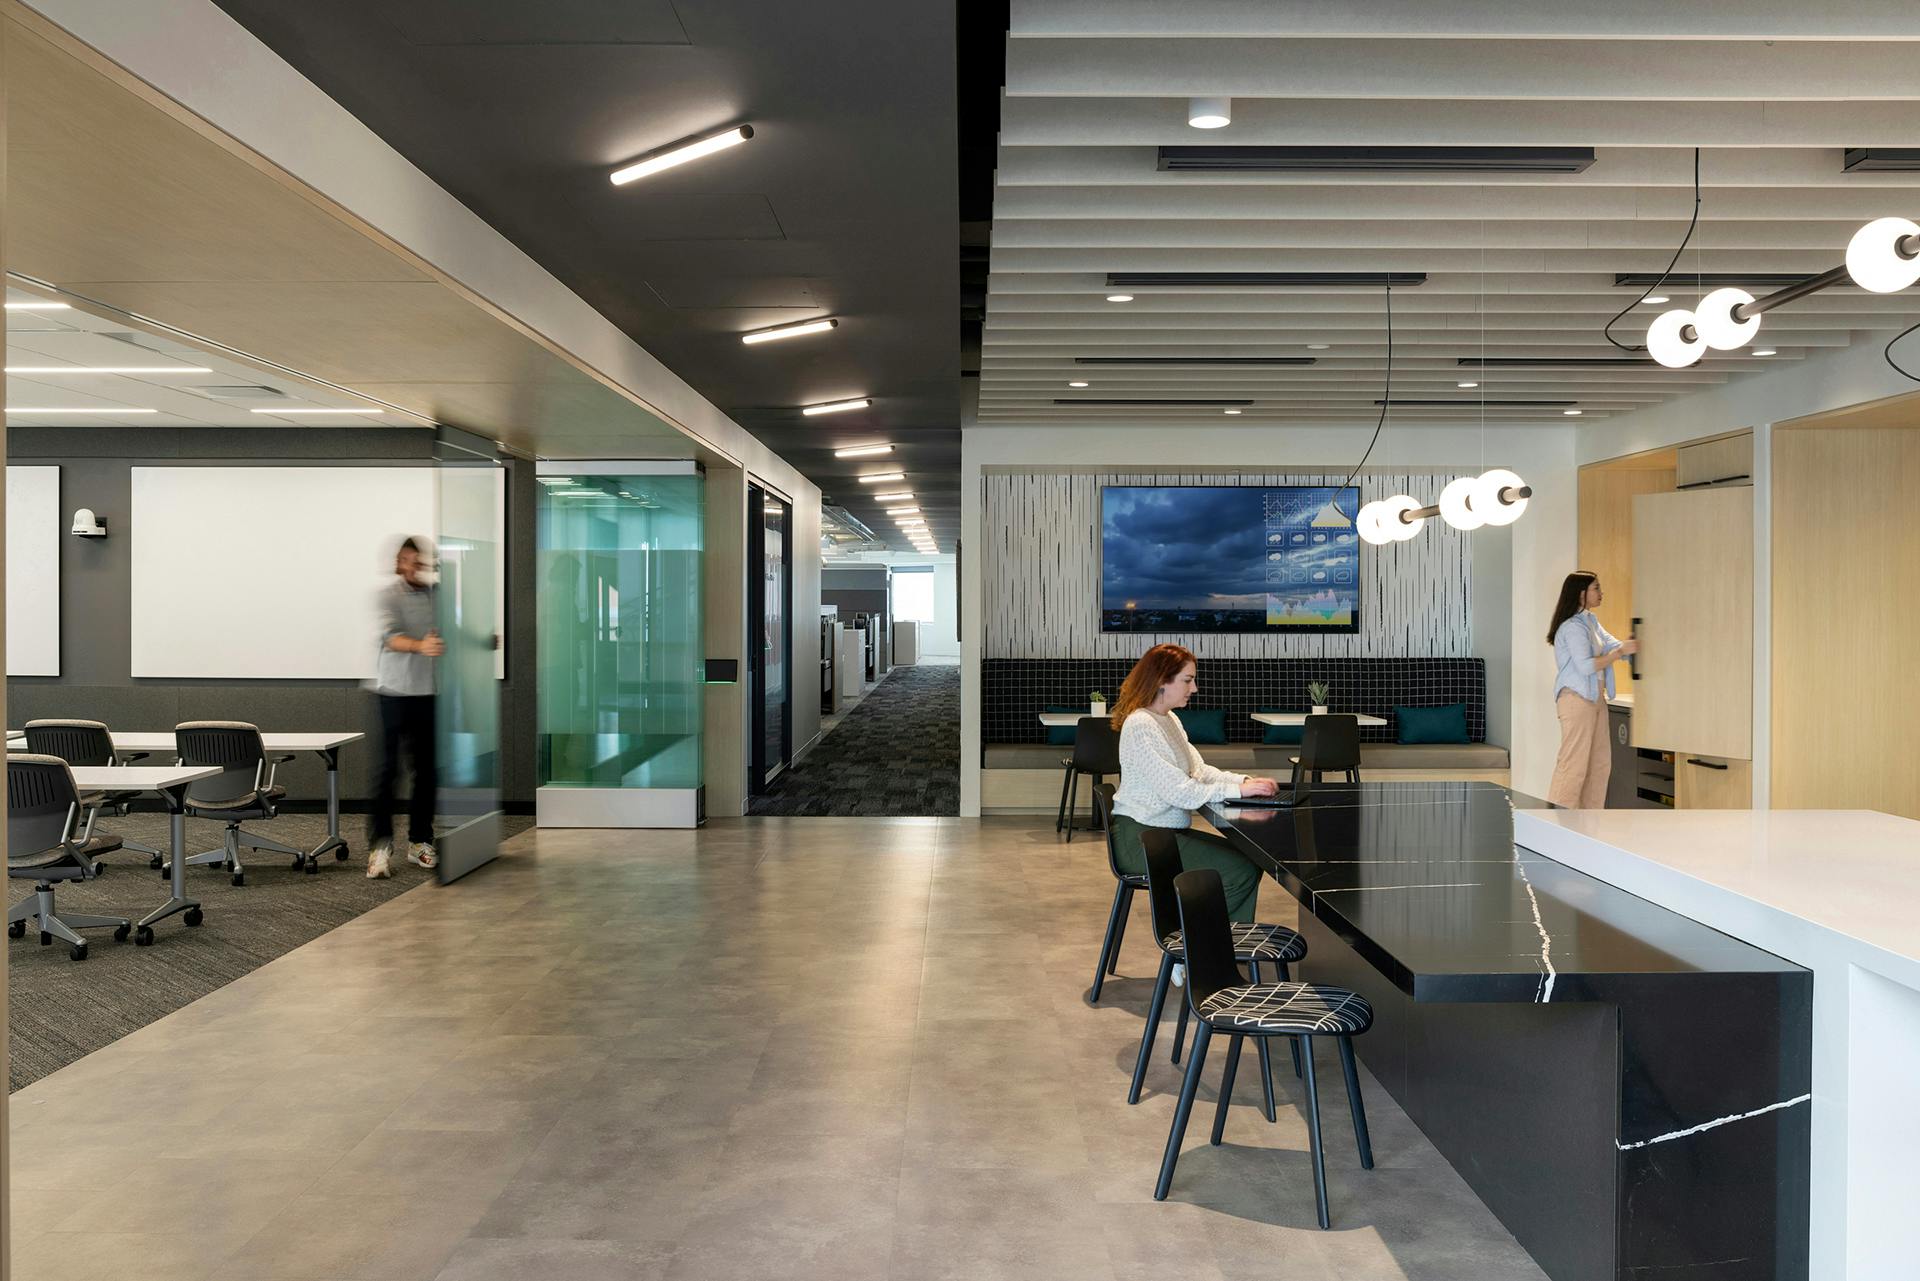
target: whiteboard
33 571
267 572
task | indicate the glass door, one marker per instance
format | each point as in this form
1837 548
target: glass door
770 611
469 603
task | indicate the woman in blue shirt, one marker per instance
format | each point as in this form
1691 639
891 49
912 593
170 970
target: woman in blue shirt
1584 655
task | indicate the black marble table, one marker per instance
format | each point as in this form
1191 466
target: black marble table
1625 1088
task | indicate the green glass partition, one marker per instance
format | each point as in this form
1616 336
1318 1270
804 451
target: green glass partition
621 658
467 606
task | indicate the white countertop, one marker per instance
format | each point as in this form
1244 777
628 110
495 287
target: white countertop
1300 718
1853 872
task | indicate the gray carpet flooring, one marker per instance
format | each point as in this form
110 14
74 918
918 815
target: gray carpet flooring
59 1010
897 754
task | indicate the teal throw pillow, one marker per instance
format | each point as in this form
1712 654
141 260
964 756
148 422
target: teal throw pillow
1446 724
1063 735
1283 734
1203 725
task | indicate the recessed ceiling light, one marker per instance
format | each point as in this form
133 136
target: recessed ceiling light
51 409
39 306
837 406
1571 413
108 369
1230 411
1466 386
1766 351
1076 384
863 451
1209 113
1655 300
1318 346
368 412
789 331
880 476
897 496
1119 297
680 153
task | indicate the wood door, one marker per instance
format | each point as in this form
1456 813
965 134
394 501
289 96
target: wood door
1693 595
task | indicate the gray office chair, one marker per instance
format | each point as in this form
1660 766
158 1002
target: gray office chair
243 790
43 807
90 743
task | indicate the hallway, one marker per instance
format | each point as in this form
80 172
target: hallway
896 754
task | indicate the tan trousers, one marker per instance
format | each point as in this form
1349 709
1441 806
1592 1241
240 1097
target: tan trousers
1586 756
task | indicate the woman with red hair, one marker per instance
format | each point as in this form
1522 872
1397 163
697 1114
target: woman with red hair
1163 780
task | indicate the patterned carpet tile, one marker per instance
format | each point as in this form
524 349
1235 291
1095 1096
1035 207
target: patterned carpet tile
897 754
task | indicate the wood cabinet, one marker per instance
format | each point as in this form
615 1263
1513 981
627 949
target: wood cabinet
1712 783
1728 461
1693 595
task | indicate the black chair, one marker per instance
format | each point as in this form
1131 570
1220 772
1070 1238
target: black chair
1329 743
243 790
1223 1001
1096 751
1125 883
90 743
1275 945
43 809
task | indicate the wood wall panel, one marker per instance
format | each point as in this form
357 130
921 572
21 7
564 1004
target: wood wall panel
1693 589
1846 561
1041 585
1606 535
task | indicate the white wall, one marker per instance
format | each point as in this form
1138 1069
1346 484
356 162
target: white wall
939 639
1541 548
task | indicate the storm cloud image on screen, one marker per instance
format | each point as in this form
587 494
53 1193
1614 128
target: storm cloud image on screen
1229 559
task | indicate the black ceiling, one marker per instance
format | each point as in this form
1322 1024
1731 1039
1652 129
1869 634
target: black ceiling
845 203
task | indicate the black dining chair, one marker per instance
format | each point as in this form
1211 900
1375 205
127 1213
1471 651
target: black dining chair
1276 945
1096 751
1223 1001
1329 744
1125 883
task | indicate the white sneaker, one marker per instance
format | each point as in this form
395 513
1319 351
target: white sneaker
1179 976
422 854
377 860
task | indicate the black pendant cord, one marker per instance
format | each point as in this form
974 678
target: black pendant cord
1386 398
1608 331
1894 364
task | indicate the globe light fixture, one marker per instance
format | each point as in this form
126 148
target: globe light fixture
1674 341
1714 319
1884 256
1456 504
1498 498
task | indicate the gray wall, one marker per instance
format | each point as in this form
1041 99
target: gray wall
95 630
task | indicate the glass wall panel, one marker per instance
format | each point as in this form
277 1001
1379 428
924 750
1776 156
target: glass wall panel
621 656
467 606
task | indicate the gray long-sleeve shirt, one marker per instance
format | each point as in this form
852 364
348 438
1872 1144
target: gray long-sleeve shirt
404 611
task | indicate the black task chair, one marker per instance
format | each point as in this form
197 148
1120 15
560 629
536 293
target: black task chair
1125 883
1096 751
1223 1001
43 846
1276 945
243 790
1329 744
90 743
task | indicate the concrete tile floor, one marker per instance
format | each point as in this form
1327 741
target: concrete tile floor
843 1048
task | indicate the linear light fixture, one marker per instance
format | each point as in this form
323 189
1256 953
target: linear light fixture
881 477
58 409
1185 404
863 451
1259 159
679 153
904 511
897 496
1551 362
39 306
1244 362
108 369
1263 279
910 522
837 406
789 331
1491 404
280 412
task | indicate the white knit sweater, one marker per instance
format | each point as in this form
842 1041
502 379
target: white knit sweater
1162 778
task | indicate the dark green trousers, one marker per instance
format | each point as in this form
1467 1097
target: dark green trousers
1240 878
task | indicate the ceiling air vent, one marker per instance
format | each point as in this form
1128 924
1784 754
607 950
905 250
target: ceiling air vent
1468 403
1158 404
242 391
1243 362
1707 279
1881 160
1263 279
1552 362
1376 159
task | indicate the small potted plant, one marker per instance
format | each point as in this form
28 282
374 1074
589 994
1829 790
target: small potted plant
1317 694
1096 704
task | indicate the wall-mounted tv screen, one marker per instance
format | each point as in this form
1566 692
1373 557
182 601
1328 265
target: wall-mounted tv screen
1229 559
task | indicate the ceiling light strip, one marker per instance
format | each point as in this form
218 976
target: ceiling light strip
863 451
837 406
108 369
778 332
679 154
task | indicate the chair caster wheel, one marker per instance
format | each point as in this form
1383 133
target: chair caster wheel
46 939
78 951
120 935
191 916
239 878
299 861
340 855
143 937
16 929
155 862
99 870
312 867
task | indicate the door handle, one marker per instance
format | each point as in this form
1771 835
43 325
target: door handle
1695 760
1633 660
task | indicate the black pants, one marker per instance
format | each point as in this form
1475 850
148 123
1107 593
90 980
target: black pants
408 720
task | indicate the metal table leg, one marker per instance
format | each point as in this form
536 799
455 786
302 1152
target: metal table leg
176 799
331 756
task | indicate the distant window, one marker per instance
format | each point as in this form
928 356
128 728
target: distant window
913 595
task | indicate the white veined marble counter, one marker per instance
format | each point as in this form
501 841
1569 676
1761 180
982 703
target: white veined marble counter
1837 891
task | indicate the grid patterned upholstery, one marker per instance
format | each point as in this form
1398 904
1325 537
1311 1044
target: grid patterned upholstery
1252 941
1297 1008
1014 690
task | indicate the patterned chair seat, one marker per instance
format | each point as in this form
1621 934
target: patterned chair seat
1252 942
1291 1008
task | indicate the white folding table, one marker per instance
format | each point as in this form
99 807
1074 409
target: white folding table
1300 718
169 783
